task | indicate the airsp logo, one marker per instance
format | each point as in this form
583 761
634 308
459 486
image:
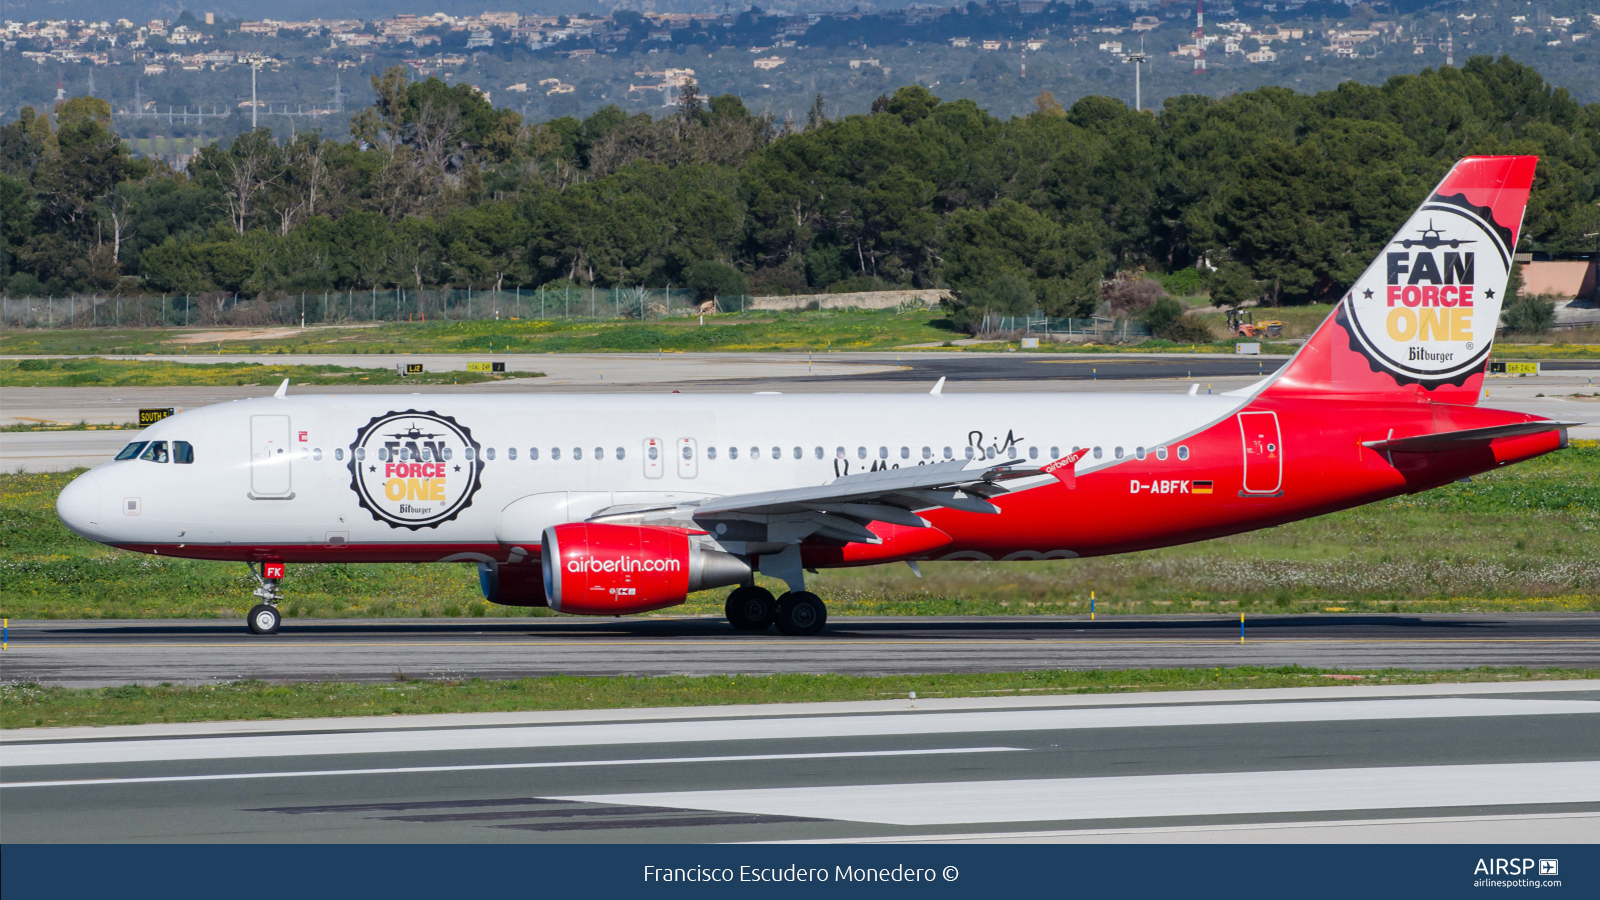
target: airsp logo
1426 311
414 469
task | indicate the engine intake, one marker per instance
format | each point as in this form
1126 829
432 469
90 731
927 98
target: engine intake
615 570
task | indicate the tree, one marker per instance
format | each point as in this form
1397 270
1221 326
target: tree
1233 286
1529 314
709 279
912 103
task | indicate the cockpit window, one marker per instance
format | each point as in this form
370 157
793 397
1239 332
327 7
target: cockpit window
156 452
132 450
182 452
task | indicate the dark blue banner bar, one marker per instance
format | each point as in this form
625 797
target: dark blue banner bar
244 872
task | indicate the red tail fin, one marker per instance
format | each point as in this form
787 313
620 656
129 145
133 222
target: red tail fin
1420 321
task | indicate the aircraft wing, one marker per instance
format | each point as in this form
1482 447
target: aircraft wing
841 510
1470 437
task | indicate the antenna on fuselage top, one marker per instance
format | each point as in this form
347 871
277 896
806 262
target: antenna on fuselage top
283 390
938 388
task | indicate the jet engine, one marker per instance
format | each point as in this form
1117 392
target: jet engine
615 570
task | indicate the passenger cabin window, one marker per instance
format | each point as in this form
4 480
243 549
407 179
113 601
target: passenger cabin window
688 452
861 453
839 452
947 454
1161 453
555 452
711 453
1183 452
577 453
755 452
470 452
883 452
733 452
489 453
969 453
621 453
1118 452
777 453
1033 452
383 454
156 452
132 451
1097 453
905 452
448 453
1055 452
338 453
1138 453
533 452
1011 451
599 453
652 452
316 454
511 453
927 453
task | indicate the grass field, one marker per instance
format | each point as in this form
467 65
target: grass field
28 705
818 331
1526 537
129 372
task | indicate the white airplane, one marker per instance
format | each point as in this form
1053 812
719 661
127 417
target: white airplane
616 504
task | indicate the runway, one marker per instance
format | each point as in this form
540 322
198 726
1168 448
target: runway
1501 763
96 653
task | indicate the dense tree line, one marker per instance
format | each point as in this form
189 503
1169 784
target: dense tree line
1288 194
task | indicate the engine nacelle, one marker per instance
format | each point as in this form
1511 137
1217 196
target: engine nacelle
615 570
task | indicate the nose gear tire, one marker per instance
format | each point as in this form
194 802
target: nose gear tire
751 608
264 619
801 614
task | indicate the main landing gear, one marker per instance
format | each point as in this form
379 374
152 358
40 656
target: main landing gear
264 617
796 613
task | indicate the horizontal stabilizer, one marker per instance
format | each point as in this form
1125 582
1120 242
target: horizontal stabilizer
1471 437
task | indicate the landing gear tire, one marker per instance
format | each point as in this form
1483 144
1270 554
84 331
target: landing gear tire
801 614
751 608
264 619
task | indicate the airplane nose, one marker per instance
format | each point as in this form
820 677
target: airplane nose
79 505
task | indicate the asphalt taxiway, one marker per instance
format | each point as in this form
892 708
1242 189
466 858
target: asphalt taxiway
1501 763
99 653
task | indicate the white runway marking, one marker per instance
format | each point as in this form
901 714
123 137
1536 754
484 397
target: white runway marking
568 764
1144 796
412 741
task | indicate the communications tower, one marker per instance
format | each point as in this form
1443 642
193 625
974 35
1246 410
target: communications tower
1199 37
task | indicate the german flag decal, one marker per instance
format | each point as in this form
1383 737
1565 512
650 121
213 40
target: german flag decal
1201 487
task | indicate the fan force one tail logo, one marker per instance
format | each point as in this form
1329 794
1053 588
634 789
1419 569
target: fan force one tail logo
414 469
1427 309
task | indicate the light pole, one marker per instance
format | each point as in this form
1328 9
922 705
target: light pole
1137 59
255 66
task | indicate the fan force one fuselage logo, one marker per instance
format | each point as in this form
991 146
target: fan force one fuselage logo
1427 309
414 469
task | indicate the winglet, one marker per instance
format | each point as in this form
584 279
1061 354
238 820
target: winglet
283 390
1065 469
939 387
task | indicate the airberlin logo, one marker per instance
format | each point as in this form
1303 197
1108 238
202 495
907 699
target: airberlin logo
578 565
414 469
1426 311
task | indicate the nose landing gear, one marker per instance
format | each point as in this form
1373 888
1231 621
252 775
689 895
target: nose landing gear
264 617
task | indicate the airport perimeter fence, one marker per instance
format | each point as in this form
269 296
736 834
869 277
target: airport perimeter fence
1039 325
355 307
